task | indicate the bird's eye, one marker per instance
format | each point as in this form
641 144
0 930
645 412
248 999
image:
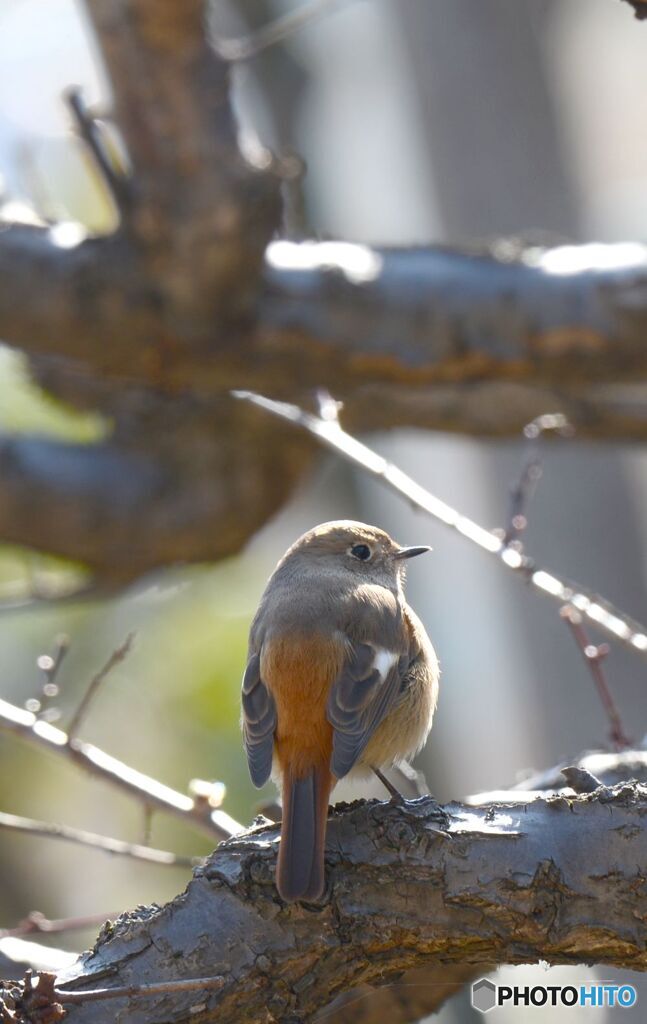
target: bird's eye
361 551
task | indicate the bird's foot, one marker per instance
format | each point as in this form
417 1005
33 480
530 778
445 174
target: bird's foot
396 795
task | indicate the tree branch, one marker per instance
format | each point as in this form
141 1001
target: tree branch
106 844
328 431
512 884
178 482
478 342
202 215
149 792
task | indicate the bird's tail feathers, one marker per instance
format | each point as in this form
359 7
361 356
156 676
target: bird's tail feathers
300 867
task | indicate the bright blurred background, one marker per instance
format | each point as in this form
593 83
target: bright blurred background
425 120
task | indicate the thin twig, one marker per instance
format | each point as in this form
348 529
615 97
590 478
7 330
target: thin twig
115 658
154 988
593 656
522 492
106 844
37 922
27 601
245 47
49 665
148 791
330 434
148 825
89 131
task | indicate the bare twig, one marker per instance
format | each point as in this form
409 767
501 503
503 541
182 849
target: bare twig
148 791
593 656
50 665
89 131
115 658
13 600
148 825
522 492
248 46
37 922
98 842
137 991
328 431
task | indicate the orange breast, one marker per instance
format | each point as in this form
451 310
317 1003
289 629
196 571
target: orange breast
299 672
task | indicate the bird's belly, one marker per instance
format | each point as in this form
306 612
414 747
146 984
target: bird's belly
298 671
405 728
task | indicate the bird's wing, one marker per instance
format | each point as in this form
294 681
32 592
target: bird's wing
363 693
259 722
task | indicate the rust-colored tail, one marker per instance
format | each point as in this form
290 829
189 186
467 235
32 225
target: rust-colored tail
300 866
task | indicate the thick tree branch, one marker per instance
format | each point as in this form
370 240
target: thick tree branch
179 481
479 342
406 888
200 212
559 322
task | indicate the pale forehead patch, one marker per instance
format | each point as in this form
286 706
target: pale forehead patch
384 661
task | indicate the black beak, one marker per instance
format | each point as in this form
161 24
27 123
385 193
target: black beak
411 552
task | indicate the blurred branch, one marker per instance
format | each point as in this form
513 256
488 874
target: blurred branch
276 31
476 341
330 434
37 922
117 656
17 954
201 217
610 769
640 8
88 130
106 844
50 666
149 792
594 655
492 887
522 492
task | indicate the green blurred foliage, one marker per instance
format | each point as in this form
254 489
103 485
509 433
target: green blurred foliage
25 408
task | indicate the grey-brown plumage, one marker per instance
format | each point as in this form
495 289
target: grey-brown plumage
341 678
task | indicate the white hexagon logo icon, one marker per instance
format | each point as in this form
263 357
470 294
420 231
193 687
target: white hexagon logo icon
483 995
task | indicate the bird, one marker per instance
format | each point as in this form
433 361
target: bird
341 678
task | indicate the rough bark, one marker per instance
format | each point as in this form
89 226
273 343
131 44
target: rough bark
559 878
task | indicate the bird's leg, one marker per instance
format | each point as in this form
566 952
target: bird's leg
396 795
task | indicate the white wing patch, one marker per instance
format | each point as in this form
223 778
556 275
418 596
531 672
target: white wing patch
384 661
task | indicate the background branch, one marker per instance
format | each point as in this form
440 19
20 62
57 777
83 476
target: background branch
328 431
147 791
106 844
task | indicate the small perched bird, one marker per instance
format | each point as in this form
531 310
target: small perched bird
341 676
